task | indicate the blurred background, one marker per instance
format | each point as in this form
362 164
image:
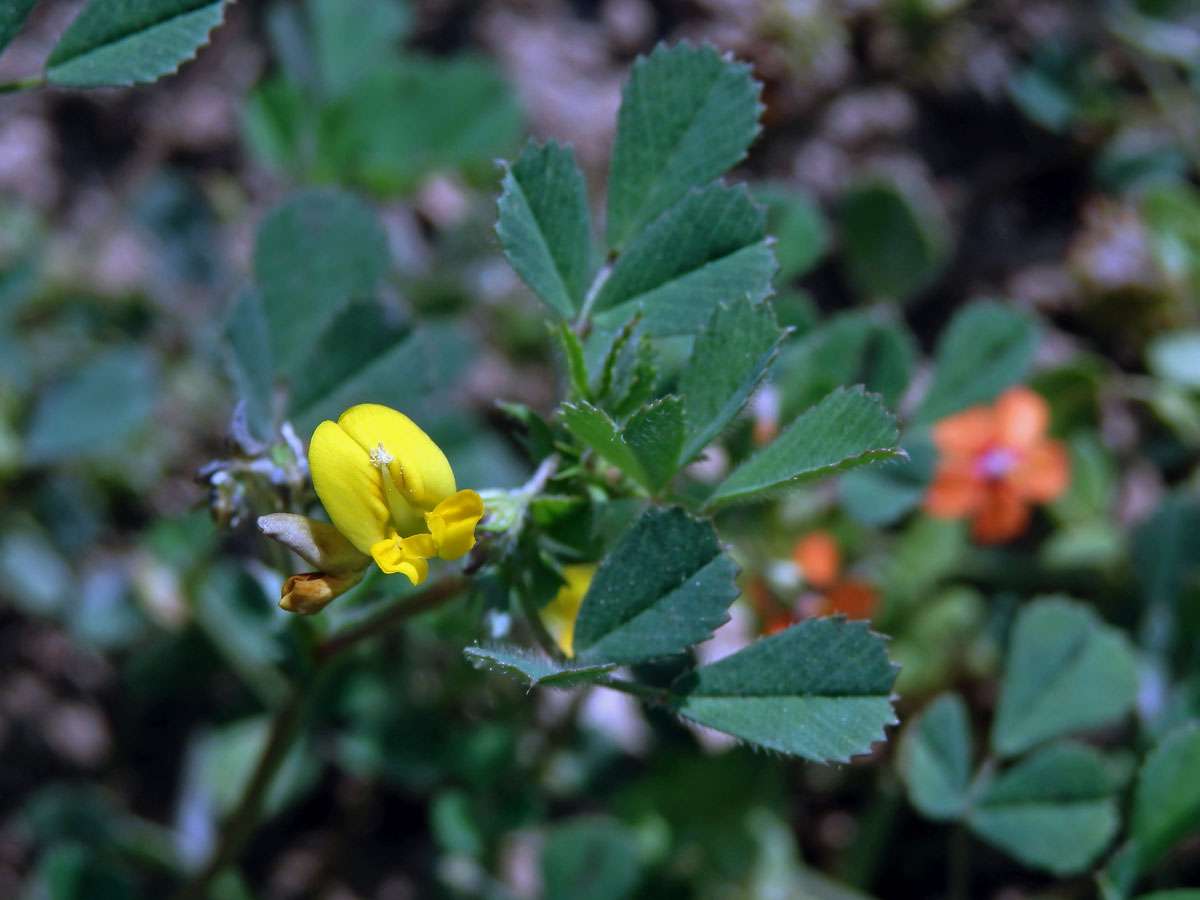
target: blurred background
914 155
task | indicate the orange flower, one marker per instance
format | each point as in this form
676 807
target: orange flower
819 559
994 462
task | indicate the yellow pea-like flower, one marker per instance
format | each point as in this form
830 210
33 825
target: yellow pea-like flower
559 615
389 489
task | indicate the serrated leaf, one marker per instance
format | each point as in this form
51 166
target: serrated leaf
686 117
987 347
893 240
535 669
655 434
114 43
1167 803
1066 671
729 359
848 428
1053 810
545 227
708 248
820 690
315 252
12 16
884 494
664 587
646 449
935 758
250 360
572 351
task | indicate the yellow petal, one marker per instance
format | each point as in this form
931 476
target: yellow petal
405 555
349 486
559 615
452 523
417 466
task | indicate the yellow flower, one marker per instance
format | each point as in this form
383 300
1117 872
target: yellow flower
390 491
559 615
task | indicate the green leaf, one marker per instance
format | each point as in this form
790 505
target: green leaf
798 226
655 434
367 358
95 410
352 38
572 351
848 428
935 758
686 117
664 587
646 449
820 690
114 43
1176 357
852 348
12 16
884 494
315 252
1167 804
545 227
987 347
1066 671
534 668
591 858
893 240
707 249
250 361
729 359
1053 810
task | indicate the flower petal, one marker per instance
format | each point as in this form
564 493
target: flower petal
1044 473
1002 517
817 553
966 433
1022 417
559 615
452 523
418 466
349 486
956 492
405 555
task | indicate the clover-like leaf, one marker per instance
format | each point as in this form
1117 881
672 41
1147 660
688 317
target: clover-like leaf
822 689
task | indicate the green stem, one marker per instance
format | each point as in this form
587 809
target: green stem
286 724
244 819
960 863
22 84
414 604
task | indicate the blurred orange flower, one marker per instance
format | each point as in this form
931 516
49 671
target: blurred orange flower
819 559
994 462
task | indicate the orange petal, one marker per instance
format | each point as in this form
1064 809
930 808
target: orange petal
965 433
1022 417
818 555
1003 516
853 598
1044 473
956 492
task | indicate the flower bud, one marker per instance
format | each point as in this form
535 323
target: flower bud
317 543
310 592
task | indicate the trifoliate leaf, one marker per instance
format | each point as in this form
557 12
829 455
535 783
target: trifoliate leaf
1066 671
1053 810
687 116
664 587
821 690
708 248
935 758
12 16
534 668
545 227
121 42
848 428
